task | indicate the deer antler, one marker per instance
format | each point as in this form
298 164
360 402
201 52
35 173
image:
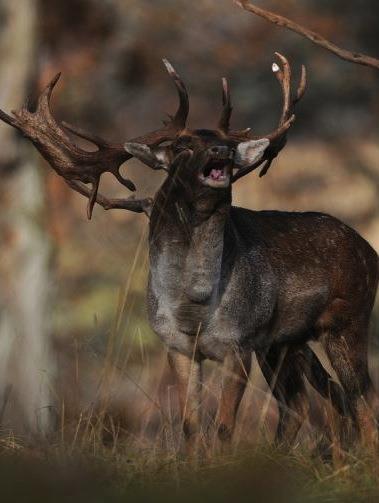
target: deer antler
284 77
178 121
227 108
78 166
278 137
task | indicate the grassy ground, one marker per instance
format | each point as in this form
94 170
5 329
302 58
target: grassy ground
107 474
100 455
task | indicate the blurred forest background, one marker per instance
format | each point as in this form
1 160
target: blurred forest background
75 346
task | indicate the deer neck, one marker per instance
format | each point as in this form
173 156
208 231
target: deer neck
187 241
204 255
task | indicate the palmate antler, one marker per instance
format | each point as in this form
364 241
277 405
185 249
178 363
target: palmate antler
79 167
278 138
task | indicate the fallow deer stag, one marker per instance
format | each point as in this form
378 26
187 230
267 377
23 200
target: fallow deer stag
226 281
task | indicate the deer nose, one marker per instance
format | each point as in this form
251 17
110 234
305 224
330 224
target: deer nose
219 151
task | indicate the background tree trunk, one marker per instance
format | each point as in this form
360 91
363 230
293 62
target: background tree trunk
26 361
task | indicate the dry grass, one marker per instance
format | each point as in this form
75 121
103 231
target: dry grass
119 439
128 471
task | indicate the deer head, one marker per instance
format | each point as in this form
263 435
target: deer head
206 158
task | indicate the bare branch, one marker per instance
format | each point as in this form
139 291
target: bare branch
353 57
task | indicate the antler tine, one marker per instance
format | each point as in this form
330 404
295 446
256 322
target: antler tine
281 130
8 119
130 203
302 85
45 96
92 197
43 103
224 122
283 76
180 118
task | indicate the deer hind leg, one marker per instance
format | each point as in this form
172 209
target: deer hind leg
187 372
236 371
322 381
347 351
282 370
331 390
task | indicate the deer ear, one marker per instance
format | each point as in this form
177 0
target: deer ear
249 152
154 158
163 156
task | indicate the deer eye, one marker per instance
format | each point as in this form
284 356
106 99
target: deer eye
180 147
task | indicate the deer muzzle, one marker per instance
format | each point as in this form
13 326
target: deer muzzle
217 171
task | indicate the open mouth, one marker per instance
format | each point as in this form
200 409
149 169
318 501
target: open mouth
217 172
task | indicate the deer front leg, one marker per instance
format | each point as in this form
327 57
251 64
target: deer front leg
236 369
188 376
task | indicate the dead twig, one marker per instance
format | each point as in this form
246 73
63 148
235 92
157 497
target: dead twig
353 57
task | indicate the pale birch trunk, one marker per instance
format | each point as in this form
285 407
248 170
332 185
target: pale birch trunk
26 361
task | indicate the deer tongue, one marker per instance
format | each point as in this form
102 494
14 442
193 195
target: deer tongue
216 174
